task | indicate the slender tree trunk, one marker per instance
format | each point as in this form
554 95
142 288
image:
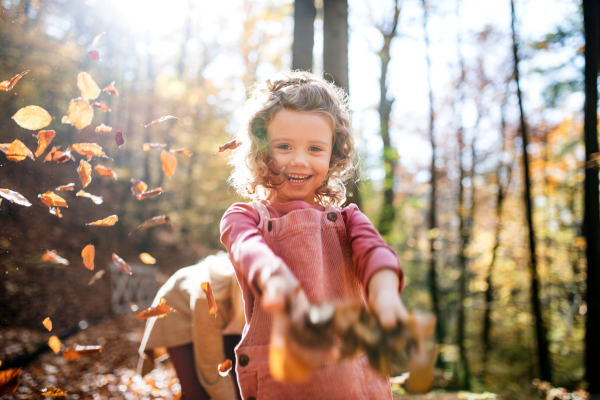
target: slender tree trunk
540 329
304 34
591 18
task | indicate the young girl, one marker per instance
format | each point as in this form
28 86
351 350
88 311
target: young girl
294 244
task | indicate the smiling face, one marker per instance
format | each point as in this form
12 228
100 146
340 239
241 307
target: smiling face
300 142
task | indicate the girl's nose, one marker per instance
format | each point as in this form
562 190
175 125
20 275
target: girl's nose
299 161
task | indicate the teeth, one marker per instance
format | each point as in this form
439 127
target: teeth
297 178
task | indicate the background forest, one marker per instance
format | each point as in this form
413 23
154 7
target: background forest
443 94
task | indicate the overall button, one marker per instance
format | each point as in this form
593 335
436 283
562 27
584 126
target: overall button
244 360
332 216
270 226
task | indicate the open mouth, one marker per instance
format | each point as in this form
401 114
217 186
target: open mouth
296 178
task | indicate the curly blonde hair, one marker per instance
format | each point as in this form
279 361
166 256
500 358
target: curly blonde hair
253 175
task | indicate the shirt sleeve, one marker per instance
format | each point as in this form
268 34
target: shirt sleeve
370 253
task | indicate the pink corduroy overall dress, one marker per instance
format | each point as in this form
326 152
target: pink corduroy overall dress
315 247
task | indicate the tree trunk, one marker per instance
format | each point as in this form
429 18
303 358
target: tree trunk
591 20
304 34
540 329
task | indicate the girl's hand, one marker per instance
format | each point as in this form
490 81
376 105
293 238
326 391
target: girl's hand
384 299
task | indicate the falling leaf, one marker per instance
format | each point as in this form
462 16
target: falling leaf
55 211
59 156
95 199
4 147
7 85
169 162
183 150
150 146
119 138
88 149
225 367
159 311
9 381
138 187
44 138
147 258
108 221
103 129
94 55
104 171
97 39
96 276
52 200
89 89
14 197
54 258
119 262
80 112
70 186
32 117
53 392
229 146
150 193
210 298
17 151
110 89
152 222
161 119
88 254
101 106
65 120
85 172
54 344
77 351
47 323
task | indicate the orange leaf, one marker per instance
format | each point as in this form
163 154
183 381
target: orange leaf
103 129
101 106
96 276
17 151
119 262
70 186
161 119
229 146
97 39
59 156
152 222
225 367
110 89
150 146
210 298
108 221
54 258
77 351
55 211
104 171
158 311
147 258
119 138
53 392
80 113
44 138
94 55
85 172
14 197
47 323
54 344
65 120
169 162
138 187
52 200
89 89
32 117
7 85
150 193
9 381
183 150
88 254
88 149
95 199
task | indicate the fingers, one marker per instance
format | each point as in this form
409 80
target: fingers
275 295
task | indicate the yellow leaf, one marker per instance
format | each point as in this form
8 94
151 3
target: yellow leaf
89 89
32 117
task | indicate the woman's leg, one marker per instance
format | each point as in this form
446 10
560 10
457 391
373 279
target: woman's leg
182 358
229 343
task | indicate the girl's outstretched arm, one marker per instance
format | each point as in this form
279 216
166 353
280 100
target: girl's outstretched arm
384 298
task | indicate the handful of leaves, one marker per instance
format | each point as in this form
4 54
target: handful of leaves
353 327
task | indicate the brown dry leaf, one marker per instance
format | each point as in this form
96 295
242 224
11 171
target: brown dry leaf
52 153
88 149
65 120
54 258
119 262
52 200
183 150
54 344
152 222
104 171
55 211
96 276
95 199
210 298
4 147
77 351
138 187
14 197
150 193
89 88
119 138
9 381
52 392
17 151
161 119
97 39
169 162
108 221
85 172
110 89
87 254
7 85
225 367
94 55
80 112
150 146
70 186
47 324
101 106
234 144
103 129
147 258
32 117
44 138
159 311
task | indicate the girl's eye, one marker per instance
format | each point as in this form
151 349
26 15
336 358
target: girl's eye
314 148
284 146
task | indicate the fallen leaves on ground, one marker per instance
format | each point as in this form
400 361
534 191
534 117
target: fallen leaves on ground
119 138
54 343
9 380
158 311
108 221
161 119
70 186
44 138
119 262
147 258
102 107
77 351
150 193
32 117
103 129
95 199
150 146
52 392
54 258
52 200
152 222
89 88
87 254
105 171
169 162
8 85
96 276
85 172
16 151
225 367
229 146
14 197
47 323
210 298
80 113
110 89
94 55
183 150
